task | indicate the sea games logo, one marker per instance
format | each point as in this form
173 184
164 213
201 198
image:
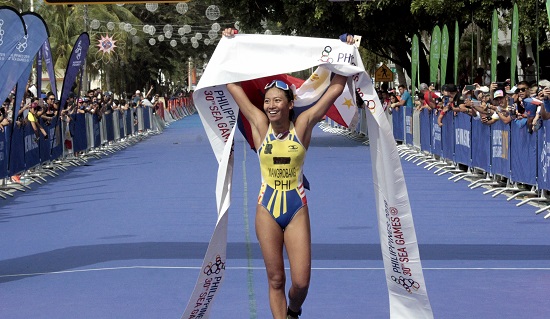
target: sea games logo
210 285
325 55
214 268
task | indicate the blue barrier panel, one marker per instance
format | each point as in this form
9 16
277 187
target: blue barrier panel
543 171
357 127
136 120
481 145
32 148
45 144
425 130
129 124
436 135
97 131
500 149
398 118
16 161
78 132
121 123
448 136
56 139
108 118
523 155
4 153
146 119
463 142
408 125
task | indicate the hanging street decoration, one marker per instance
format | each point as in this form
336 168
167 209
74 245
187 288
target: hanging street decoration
107 44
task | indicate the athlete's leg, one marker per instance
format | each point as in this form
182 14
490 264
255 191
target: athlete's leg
270 237
298 247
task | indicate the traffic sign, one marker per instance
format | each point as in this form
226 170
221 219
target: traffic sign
383 74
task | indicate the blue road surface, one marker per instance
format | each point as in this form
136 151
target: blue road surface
124 237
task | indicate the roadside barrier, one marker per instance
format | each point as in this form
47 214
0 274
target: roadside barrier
500 157
75 140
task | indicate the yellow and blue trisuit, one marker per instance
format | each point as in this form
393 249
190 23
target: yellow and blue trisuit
281 161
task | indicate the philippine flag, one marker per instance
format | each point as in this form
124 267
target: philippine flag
306 94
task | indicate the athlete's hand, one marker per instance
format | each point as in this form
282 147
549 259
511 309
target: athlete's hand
348 38
229 32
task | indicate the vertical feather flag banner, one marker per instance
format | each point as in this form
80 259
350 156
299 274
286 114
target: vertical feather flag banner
494 46
74 65
37 33
444 53
246 58
48 59
20 64
13 32
514 45
456 49
435 54
414 62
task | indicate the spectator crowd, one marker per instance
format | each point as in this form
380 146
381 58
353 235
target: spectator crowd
525 104
38 110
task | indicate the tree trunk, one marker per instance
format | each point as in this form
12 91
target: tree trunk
478 46
401 78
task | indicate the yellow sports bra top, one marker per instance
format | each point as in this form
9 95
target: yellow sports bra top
282 160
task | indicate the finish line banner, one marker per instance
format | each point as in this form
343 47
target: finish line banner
248 57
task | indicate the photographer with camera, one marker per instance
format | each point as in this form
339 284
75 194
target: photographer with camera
451 102
467 101
50 109
495 86
495 111
542 98
515 105
443 107
526 106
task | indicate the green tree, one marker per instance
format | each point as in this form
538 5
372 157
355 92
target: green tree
387 26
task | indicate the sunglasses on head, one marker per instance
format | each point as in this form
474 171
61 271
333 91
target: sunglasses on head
278 84
281 85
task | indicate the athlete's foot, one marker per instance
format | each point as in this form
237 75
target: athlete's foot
292 314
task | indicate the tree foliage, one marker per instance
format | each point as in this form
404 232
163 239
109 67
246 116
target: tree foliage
387 26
